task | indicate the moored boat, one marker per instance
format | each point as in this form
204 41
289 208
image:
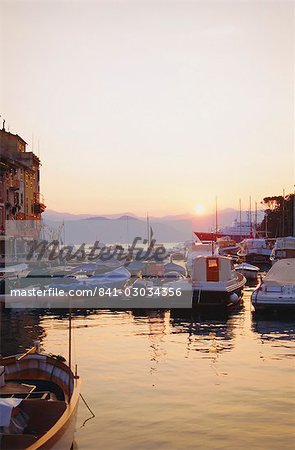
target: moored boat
197 249
116 278
39 394
171 266
255 251
215 282
249 271
283 248
277 290
227 246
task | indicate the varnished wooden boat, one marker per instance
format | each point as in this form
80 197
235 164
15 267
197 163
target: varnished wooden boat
50 392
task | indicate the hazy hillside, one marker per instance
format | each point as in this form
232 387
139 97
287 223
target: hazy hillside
124 228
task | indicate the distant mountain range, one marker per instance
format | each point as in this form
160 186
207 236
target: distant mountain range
56 215
224 215
124 227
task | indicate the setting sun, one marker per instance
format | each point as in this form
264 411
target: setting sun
199 209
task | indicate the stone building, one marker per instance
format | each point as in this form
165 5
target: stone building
20 197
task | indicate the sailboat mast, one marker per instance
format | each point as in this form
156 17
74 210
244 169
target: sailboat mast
250 217
240 207
70 349
148 228
283 224
255 218
127 224
216 219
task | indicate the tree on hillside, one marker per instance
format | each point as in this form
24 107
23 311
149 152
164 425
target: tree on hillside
279 216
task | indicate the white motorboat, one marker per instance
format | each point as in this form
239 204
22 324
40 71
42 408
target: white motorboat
249 271
277 289
11 275
283 248
114 279
215 282
176 280
14 271
197 249
171 266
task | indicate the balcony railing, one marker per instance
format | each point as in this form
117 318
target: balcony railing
39 198
39 203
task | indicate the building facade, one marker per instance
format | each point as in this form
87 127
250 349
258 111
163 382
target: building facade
20 196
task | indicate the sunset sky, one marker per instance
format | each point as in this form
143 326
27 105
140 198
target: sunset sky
152 106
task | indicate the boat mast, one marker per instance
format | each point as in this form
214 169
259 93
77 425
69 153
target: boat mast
127 225
240 207
64 232
250 217
255 219
70 349
216 217
283 224
148 229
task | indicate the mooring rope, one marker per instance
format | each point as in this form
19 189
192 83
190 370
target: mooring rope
89 409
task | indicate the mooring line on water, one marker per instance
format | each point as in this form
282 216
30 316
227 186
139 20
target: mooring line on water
89 409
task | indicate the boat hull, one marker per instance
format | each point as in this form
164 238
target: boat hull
259 260
250 275
263 302
55 430
63 438
221 299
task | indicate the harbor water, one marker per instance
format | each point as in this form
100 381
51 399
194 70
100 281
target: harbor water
162 380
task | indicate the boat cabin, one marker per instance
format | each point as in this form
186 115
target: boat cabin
212 269
283 248
250 244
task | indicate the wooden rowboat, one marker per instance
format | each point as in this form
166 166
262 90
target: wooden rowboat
50 394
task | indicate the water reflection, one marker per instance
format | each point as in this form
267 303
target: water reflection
274 329
173 373
207 333
157 326
18 331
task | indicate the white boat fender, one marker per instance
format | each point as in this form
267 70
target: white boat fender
234 298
